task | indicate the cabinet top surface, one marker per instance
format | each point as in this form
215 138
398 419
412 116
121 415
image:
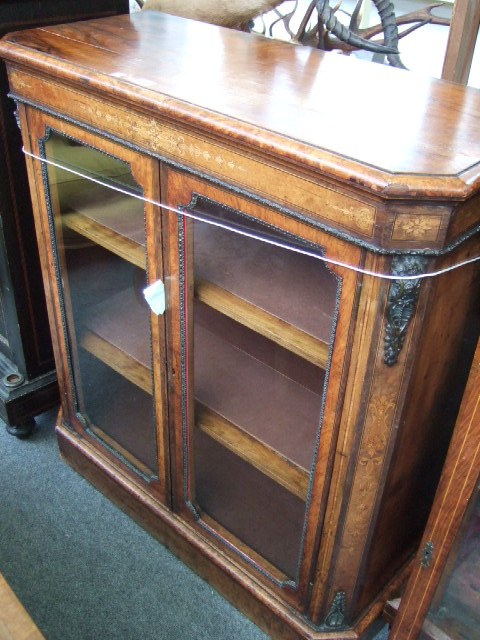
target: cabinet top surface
351 119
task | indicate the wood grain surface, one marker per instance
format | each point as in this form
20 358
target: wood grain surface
15 623
374 124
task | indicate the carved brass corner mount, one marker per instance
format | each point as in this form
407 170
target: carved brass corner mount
335 618
402 301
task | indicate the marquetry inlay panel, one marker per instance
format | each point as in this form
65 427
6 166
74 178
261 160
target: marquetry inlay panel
279 185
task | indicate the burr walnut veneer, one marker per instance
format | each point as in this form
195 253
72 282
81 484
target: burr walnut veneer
279 416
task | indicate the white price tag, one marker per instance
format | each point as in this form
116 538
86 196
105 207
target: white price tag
155 296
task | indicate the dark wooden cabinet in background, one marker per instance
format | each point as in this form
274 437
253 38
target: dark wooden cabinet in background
28 382
281 416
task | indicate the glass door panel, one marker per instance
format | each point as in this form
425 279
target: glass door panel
100 232
259 317
455 610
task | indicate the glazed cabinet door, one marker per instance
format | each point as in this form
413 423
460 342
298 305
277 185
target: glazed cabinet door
258 328
442 596
454 613
93 231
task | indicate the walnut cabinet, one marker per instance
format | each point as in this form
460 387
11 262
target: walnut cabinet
277 412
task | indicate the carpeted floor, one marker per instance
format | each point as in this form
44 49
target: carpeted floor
84 570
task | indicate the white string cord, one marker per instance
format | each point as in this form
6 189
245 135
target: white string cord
276 243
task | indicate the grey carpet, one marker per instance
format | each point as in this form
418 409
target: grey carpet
84 570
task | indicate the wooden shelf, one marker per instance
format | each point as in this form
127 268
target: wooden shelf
124 346
270 462
271 409
123 363
109 219
109 239
286 296
286 335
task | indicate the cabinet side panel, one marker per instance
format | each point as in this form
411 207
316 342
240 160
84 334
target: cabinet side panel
444 353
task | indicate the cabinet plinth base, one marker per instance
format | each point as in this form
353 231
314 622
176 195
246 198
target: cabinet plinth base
251 598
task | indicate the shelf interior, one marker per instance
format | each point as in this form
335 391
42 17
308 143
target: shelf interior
120 413
124 345
109 219
107 319
277 438
297 290
268 405
277 311
248 503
